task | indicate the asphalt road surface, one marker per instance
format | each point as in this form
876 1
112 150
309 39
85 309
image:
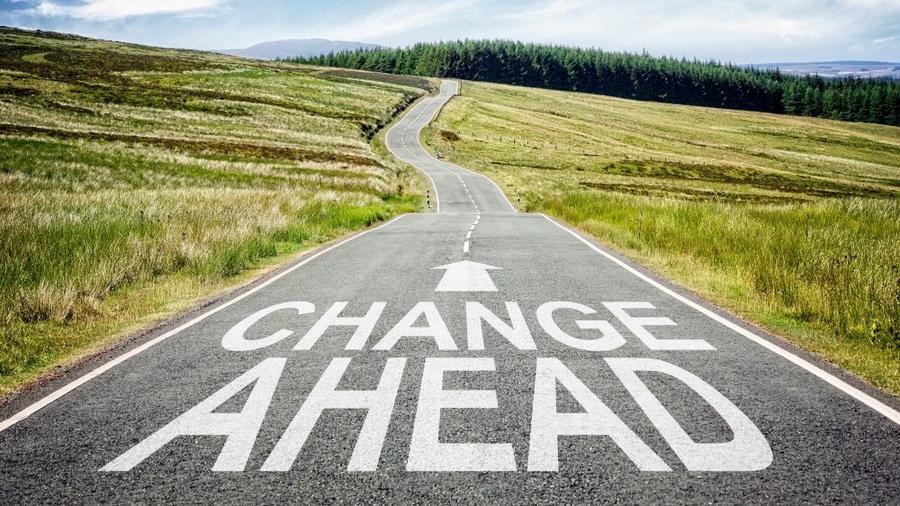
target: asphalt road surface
473 354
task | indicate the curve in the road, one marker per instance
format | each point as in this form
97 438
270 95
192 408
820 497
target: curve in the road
457 190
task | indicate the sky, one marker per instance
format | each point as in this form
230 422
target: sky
739 31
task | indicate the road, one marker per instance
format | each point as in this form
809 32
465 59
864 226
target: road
473 354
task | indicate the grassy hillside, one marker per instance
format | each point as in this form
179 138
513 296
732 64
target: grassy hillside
135 180
792 222
633 76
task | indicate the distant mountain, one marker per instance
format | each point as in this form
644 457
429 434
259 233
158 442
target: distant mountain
834 69
296 47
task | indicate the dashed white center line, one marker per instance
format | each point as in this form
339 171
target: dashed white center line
468 193
467 244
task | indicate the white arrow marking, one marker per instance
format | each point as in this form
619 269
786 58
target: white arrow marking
466 276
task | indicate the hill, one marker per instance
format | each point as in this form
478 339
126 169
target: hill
637 76
837 69
791 222
290 48
135 180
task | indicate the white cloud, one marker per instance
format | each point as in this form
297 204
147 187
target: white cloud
402 17
736 30
730 30
550 10
105 10
873 4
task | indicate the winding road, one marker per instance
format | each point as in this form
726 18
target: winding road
473 354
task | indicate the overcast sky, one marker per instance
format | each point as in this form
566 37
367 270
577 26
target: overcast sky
741 31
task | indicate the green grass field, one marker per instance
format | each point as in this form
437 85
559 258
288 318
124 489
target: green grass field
134 181
794 223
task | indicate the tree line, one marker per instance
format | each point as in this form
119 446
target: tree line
635 76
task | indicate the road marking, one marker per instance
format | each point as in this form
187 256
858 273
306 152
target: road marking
466 243
420 110
466 276
508 202
748 449
62 391
468 193
416 155
882 408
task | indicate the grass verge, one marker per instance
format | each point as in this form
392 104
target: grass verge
793 223
135 181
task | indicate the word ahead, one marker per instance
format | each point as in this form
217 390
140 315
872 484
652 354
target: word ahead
747 451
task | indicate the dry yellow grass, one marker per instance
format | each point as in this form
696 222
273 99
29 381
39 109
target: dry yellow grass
163 175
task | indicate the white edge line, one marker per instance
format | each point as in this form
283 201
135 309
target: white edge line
419 129
437 197
508 202
882 408
57 394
